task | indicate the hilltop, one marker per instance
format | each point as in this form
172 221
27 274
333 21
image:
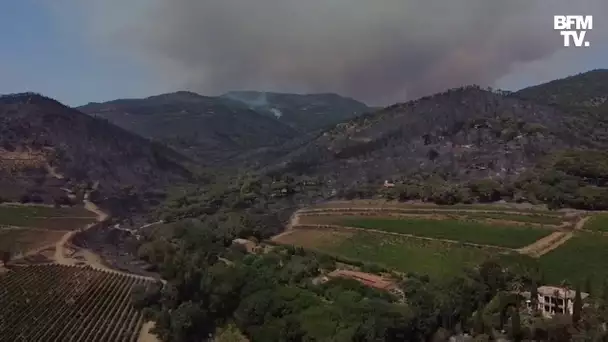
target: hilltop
465 133
209 129
303 112
584 90
219 129
48 149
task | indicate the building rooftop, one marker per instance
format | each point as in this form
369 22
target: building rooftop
367 279
550 291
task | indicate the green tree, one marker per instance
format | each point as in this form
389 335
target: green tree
5 256
577 306
588 286
515 331
479 324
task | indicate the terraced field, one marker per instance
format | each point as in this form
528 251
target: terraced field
22 240
429 239
45 217
67 303
473 232
25 229
434 258
357 204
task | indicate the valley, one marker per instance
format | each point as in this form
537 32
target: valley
194 217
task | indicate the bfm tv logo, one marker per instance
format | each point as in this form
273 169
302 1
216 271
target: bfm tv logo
580 23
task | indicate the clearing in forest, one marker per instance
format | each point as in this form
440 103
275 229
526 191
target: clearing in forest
434 258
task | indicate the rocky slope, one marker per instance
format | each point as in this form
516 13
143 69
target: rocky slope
46 148
463 133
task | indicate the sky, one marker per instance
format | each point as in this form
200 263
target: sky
380 52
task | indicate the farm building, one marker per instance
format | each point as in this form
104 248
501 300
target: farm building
388 184
366 279
251 246
551 300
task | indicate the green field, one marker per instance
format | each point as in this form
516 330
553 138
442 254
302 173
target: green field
598 223
531 218
45 217
585 255
473 232
434 258
481 207
521 217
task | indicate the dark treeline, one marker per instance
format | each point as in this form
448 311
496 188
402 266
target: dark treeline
575 179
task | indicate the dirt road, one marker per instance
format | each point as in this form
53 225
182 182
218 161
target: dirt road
551 242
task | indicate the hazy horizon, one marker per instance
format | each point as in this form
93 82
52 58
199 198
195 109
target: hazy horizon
378 53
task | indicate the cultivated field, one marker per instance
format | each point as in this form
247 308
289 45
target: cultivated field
499 235
583 256
25 228
598 223
430 206
435 258
67 303
45 217
22 240
428 239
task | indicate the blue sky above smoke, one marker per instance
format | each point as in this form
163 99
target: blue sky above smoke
50 49
43 54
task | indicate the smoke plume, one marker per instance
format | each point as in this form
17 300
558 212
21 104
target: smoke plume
378 51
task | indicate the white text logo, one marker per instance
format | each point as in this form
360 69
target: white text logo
573 28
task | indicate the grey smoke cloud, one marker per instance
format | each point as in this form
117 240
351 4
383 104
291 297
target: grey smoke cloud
378 51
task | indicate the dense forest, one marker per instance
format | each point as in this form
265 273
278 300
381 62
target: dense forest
213 286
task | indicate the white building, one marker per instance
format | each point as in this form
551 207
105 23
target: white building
553 299
388 184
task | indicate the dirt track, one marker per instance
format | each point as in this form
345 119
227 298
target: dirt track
551 242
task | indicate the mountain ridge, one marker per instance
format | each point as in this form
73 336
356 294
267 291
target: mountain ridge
47 147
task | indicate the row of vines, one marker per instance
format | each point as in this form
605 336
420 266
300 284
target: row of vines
67 303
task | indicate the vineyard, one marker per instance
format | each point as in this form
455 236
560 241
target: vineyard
582 258
67 303
472 232
428 239
424 256
50 218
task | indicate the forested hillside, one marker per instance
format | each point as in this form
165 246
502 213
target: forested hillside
585 90
206 128
463 145
46 146
306 112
